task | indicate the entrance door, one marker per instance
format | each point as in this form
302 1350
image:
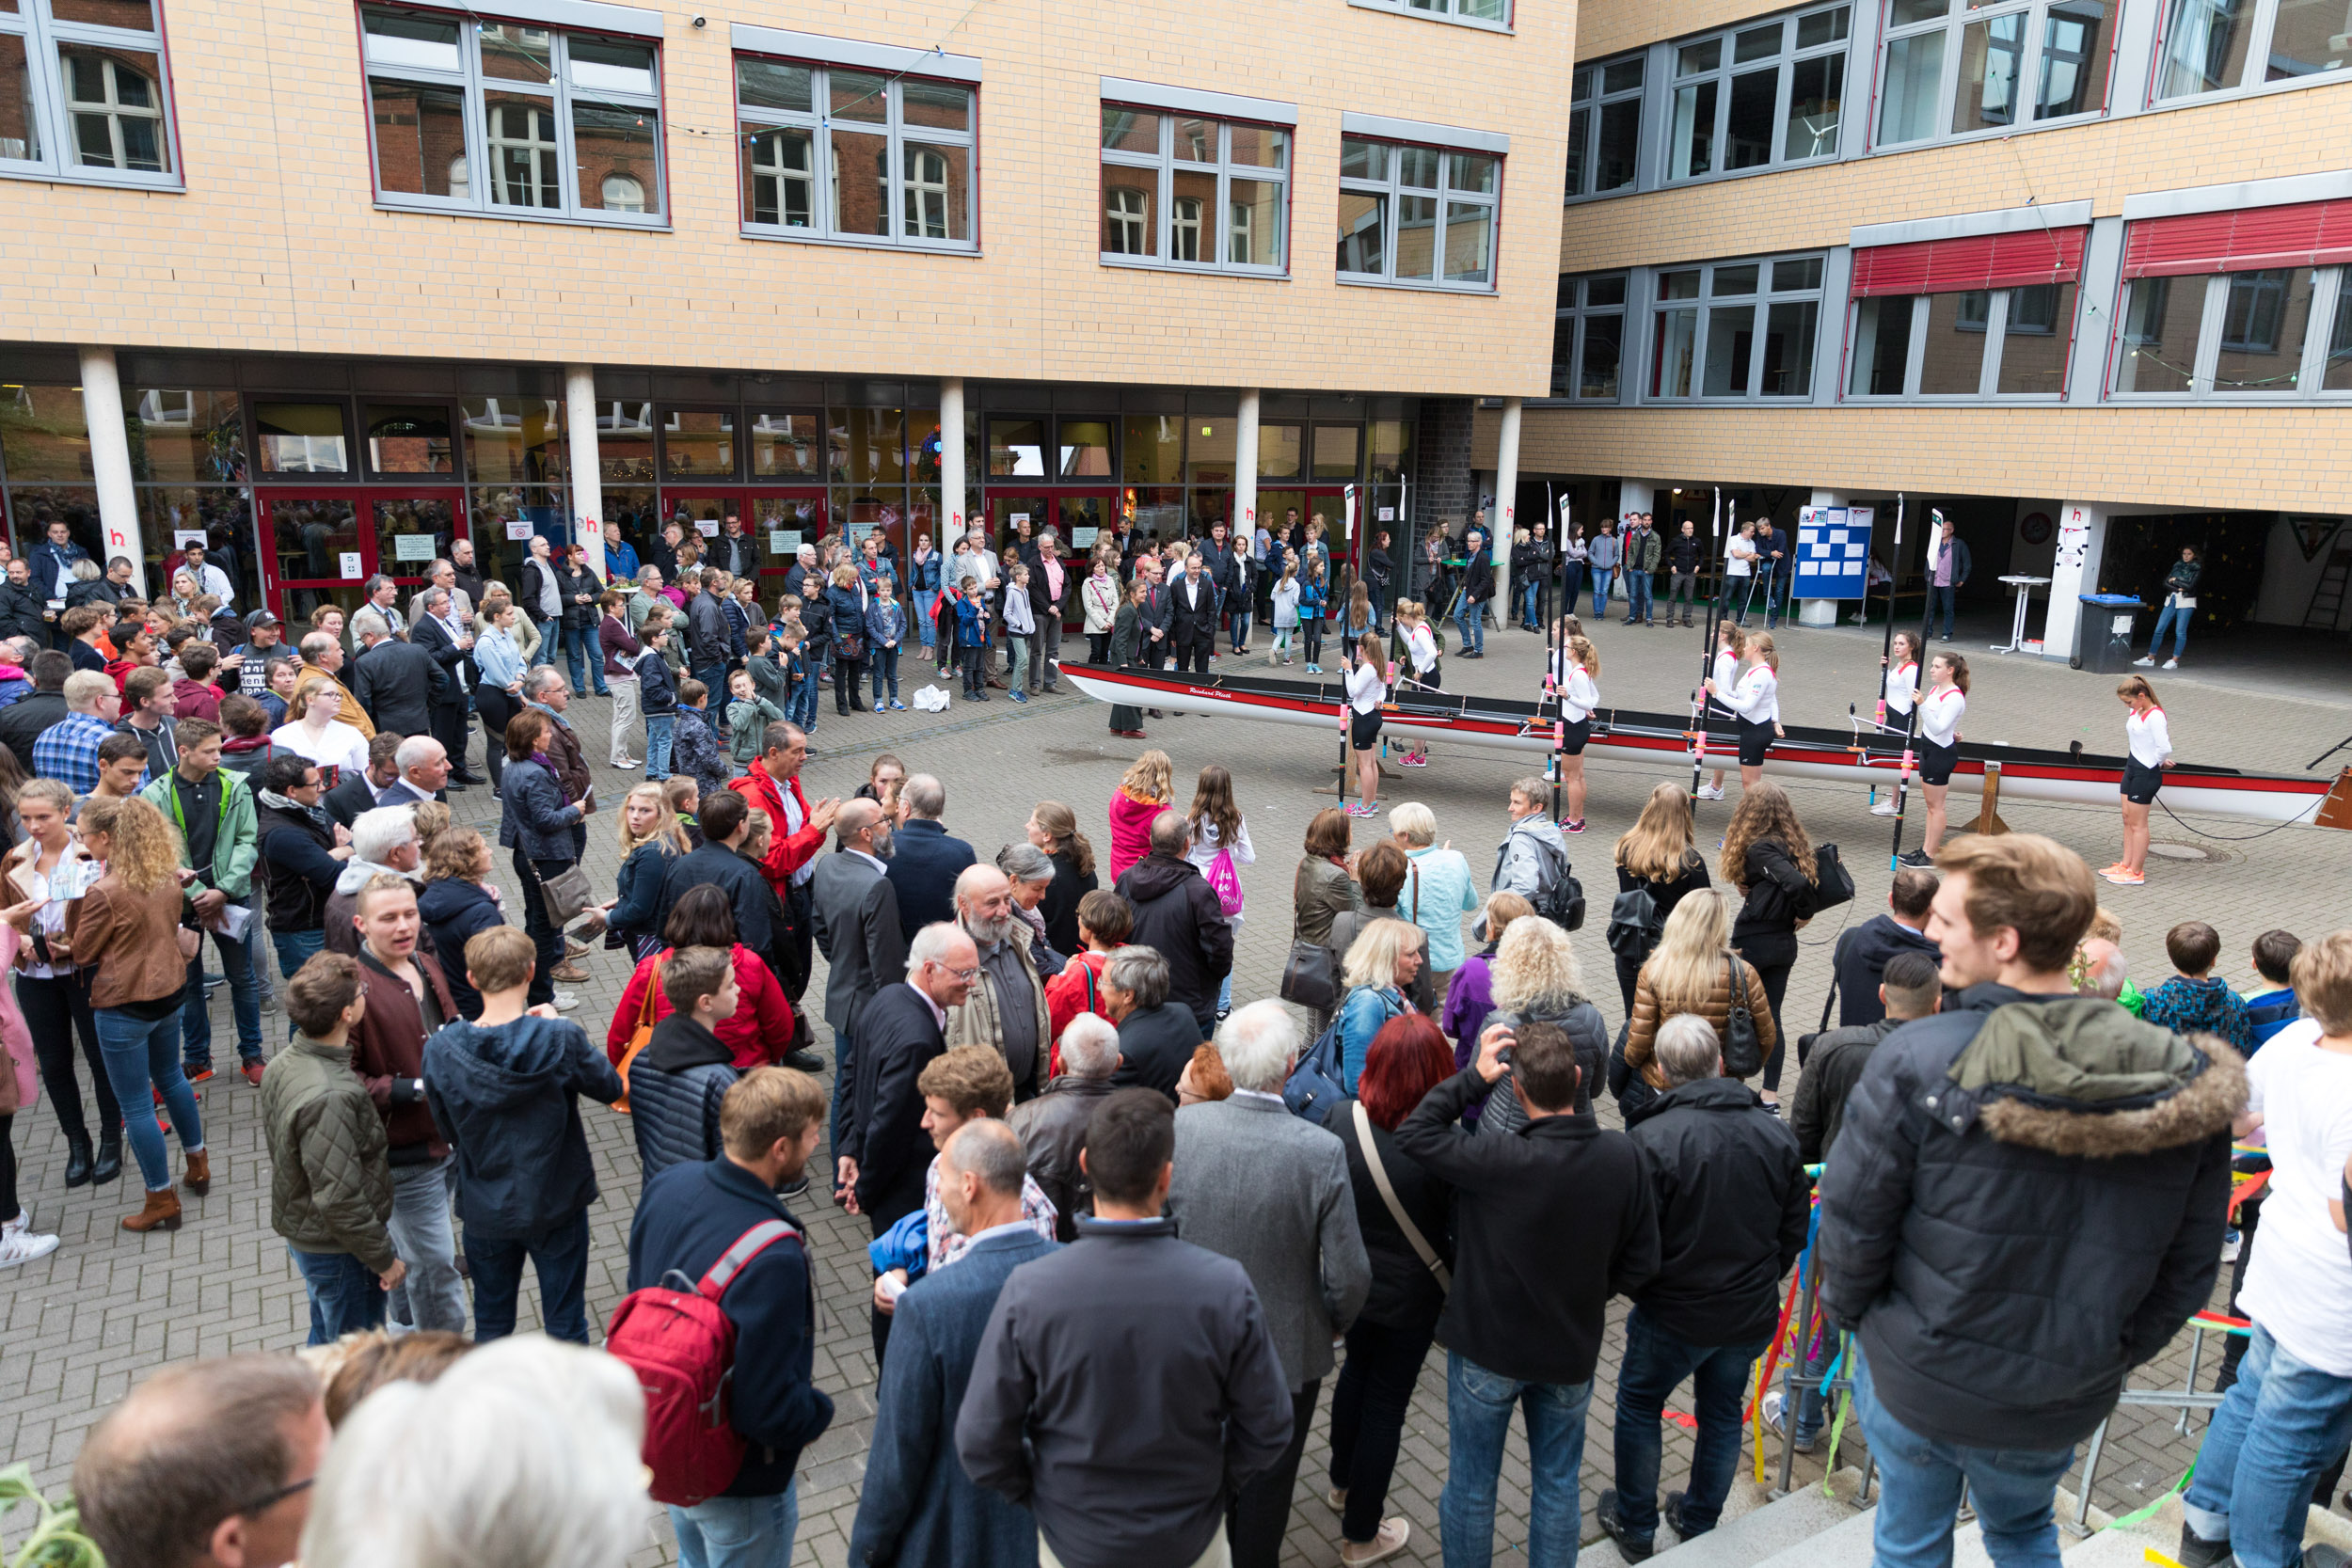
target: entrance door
778 522
1077 519
320 547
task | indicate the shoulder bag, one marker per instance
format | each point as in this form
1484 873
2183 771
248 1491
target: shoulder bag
1633 924
1428 1253
638 1037
1226 882
568 895
1311 976
1832 884
1744 1054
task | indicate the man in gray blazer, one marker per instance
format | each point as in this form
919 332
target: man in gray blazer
1270 1191
857 928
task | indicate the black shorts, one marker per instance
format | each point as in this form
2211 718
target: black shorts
1935 761
1755 740
1363 729
2140 782
1575 736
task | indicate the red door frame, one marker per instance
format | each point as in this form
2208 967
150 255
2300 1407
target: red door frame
747 499
362 499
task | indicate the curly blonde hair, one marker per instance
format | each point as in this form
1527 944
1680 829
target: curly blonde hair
1534 969
142 847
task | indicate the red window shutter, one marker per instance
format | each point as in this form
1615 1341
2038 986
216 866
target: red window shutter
2306 234
1956 266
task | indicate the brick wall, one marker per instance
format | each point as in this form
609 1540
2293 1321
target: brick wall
1441 448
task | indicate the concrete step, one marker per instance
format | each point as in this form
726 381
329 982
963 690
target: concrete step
1755 1525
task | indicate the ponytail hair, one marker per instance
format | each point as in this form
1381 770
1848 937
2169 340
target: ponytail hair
1586 654
1959 668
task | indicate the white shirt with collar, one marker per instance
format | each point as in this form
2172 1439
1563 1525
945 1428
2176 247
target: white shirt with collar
939 1013
874 861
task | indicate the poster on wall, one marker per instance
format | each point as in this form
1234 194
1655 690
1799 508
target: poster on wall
707 526
188 539
1083 538
518 530
1832 552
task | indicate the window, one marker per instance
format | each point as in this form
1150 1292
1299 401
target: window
2211 46
1477 13
1588 339
1956 68
1605 127
1417 215
2237 303
1982 316
1186 191
561 125
832 152
1757 96
1737 329
82 94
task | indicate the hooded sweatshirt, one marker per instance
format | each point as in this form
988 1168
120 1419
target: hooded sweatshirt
507 1100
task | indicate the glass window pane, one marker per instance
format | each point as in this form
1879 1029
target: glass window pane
1195 141
1674 344
1086 449
512 51
1757 43
2074 59
1908 11
787 445
2265 318
1152 449
1678 285
1336 448
1730 344
423 42
2338 375
1748 136
870 449
1580 136
698 443
1605 290
420 138
1210 446
1990 54
1192 216
1881 347
1391 452
1469 237
1016 449
1580 84
619 169
296 438
2162 320
136 15
1562 356
939 105
44 435
409 438
2033 348
1416 168
1130 130
1469 172
1623 76
1816 93
1620 142
936 195
1741 279
1596 367
1914 68
861 180
310 536
1693 149
1416 239
1259 146
2204 46
859 95
1131 221
1696 59
1820 27
775 85
395 517
625 441
184 434
19 122
1363 159
1282 450
1953 361
1804 272
115 108
1364 232
780 176
1485 10
611 65
1790 330
522 151
1253 223
2307 38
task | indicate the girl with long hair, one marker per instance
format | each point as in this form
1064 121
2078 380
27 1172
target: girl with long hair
651 840
1769 859
1899 689
1288 592
1367 688
1420 659
2150 740
1357 618
1731 647
1659 856
1693 970
1146 791
1755 701
885 779
48 871
1940 712
1579 697
1218 828
1053 827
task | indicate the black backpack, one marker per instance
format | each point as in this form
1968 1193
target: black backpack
1559 896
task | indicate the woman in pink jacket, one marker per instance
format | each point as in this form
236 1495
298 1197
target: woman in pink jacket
1148 790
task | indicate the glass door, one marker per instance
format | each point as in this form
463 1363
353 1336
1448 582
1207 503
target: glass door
778 522
320 547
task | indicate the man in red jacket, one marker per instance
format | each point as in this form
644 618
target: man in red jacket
773 785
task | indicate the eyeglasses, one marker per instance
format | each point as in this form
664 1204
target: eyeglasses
972 973
268 1500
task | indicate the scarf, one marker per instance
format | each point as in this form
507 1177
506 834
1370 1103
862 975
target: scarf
550 713
317 814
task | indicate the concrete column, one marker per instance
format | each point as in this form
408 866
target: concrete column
580 432
1633 495
1820 612
110 464
2082 546
951 518
1246 474
1504 517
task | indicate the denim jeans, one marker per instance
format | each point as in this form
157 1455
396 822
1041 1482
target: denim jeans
297 948
1478 1408
1639 587
559 1254
657 728
926 616
1601 577
1240 632
805 700
1919 1486
1940 596
739 1532
345 1295
715 677
583 650
1768 586
2175 617
2281 1422
138 1056
885 669
434 1294
1472 620
245 998
1656 1362
543 935
1529 589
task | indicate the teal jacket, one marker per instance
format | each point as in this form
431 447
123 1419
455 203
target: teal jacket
1444 894
237 845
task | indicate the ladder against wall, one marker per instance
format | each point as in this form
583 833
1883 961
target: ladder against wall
2327 594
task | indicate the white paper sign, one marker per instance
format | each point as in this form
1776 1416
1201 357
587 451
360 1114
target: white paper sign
1080 538
1016 519
518 530
188 538
351 566
784 540
1388 513
414 547
707 526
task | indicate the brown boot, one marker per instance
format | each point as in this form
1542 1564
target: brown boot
199 1176
160 1214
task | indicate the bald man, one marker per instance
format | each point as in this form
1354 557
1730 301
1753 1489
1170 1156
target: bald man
1007 1010
857 926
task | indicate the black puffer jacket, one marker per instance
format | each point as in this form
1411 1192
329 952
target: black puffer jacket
1733 1210
1177 913
2015 1218
1583 1024
674 1087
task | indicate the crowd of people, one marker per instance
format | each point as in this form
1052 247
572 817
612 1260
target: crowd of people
1125 1223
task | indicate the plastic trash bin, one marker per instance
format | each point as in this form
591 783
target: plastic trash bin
2103 632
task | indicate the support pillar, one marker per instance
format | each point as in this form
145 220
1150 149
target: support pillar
1246 474
1821 612
2082 547
110 466
951 496
1504 518
579 437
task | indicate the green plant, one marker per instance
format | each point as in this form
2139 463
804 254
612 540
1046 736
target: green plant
56 1541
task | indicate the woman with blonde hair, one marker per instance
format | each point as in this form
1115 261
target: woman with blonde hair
1384 959
1147 790
1470 996
1367 688
1420 665
1658 857
1940 712
1769 859
1731 647
46 873
1694 971
651 841
1579 669
1754 703
126 931
458 902
311 730
1537 980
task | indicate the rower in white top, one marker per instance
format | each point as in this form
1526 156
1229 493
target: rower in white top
1899 691
2151 743
1940 713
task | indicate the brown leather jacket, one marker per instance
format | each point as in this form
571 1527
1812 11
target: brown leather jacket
1642 1028
129 940
387 1053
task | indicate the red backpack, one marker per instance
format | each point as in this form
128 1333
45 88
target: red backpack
681 1347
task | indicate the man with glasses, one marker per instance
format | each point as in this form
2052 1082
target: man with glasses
303 850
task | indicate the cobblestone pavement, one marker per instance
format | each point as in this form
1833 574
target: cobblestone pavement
77 1328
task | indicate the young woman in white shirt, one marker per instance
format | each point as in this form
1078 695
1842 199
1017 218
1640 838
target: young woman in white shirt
1940 713
1756 703
1421 653
1731 646
1367 687
1898 690
2151 742
1579 696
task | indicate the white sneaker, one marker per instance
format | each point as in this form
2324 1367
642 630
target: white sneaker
23 1221
566 1000
1708 792
2172 664
2148 663
1884 808
1386 1543
22 1247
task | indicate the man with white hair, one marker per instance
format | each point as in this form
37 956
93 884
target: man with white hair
881 1157
1053 1127
395 680
1006 1011
423 763
1270 1191
382 840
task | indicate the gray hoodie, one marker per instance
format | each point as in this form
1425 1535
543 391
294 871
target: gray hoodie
1532 852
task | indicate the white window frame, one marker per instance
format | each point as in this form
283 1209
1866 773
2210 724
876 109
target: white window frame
2254 70
1591 99
1783 61
2309 356
1706 304
754 120
1212 228
2026 91
1571 318
561 95
1390 189
1461 13
52 116
1996 328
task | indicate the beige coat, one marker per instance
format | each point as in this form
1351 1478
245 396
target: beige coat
973 1021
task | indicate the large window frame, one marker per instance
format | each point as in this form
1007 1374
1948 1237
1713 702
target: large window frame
1690 307
2229 314
1938 39
1494 16
523 132
81 99
1605 95
1169 221
911 149
1379 176
1588 332
2208 49
1988 317
1761 64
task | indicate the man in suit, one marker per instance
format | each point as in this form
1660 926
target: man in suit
356 792
1271 1191
881 1157
1193 613
397 682
856 917
423 773
438 630
926 861
917 1508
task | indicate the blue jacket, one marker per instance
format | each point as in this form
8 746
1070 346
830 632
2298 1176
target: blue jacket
454 910
507 1100
694 749
656 691
971 625
923 873
675 1089
687 1218
917 1508
923 575
1361 1016
884 620
534 816
637 888
845 611
739 627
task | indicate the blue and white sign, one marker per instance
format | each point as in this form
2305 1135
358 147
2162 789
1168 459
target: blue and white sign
1833 551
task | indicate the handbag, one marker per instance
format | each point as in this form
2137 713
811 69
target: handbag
638 1037
1832 884
1744 1054
1311 976
566 894
850 649
1227 881
1314 1083
1428 1253
1633 924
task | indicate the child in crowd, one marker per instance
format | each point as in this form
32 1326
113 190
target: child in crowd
1287 594
656 694
2196 998
972 640
771 680
676 1083
886 630
1019 628
694 745
194 695
2269 1011
749 715
1312 603
686 800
